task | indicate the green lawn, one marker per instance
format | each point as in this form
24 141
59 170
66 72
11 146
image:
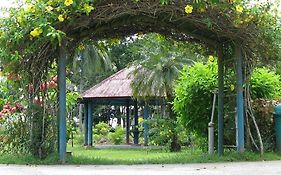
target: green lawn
81 155
137 156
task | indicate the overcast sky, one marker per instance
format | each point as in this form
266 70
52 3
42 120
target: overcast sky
6 3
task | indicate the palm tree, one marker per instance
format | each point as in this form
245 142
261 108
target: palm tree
89 62
156 73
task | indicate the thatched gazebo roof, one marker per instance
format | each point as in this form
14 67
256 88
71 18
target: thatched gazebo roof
116 90
115 86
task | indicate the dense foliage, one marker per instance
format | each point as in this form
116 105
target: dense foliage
265 84
194 93
34 32
195 88
28 125
160 132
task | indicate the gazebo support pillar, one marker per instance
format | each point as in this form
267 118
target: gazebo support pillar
136 119
86 124
90 124
220 101
145 124
128 123
239 100
62 104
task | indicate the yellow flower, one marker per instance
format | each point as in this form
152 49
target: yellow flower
239 8
87 8
232 87
188 9
68 2
20 20
36 32
211 58
61 18
30 9
49 8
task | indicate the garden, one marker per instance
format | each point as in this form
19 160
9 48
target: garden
178 49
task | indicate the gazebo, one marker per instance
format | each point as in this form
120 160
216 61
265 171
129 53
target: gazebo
115 90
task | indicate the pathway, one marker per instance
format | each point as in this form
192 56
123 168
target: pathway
240 168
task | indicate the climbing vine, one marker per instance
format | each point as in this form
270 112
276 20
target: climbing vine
30 35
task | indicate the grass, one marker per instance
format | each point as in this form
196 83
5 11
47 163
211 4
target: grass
81 155
137 156
27 159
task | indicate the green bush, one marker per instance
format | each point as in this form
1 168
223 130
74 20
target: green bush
78 138
101 129
160 132
265 84
13 136
70 129
117 137
194 94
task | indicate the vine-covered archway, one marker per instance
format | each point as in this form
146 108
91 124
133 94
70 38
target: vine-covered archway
42 31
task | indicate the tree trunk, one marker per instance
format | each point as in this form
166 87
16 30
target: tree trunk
37 135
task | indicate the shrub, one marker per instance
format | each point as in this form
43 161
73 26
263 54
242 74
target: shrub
117 137
70 129
265 84
101 129
14 136
194 94
160 132
78 138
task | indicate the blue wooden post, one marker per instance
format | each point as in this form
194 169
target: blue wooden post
90 124
220 102
86 124
136 125
277 117
239 100
128 123
62 104
145 124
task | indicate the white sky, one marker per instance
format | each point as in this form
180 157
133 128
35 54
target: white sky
6 3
